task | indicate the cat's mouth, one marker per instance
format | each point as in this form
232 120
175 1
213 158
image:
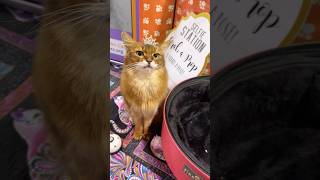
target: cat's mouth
148 67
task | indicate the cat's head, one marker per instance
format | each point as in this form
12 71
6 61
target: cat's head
143 57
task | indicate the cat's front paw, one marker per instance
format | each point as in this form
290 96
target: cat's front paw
146 137
137 136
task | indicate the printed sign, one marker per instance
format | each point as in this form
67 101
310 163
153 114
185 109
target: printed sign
189 47
245 27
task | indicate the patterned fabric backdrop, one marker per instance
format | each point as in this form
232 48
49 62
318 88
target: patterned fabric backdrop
185 7
156 18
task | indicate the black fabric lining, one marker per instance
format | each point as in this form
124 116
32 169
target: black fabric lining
267 127
187 117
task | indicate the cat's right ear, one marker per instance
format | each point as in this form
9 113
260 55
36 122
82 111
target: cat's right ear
127 40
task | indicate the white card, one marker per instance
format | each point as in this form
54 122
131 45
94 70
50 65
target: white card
190 45
245 27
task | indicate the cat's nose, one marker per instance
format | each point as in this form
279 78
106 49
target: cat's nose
149 61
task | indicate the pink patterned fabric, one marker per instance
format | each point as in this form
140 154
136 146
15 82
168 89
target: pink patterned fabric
123 167
29 124
156 147
42 164
123 115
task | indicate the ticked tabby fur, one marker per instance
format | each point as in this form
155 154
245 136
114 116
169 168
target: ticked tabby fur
144 82
69 73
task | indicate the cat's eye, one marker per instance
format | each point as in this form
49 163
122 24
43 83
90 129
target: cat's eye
156 55
139 53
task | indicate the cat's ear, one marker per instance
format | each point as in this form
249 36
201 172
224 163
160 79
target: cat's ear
127 40
165 44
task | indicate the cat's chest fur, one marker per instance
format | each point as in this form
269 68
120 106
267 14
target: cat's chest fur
141 85
146 83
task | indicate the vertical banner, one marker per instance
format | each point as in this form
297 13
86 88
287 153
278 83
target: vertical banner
153 19
185 7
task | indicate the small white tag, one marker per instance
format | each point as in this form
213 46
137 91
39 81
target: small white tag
117 47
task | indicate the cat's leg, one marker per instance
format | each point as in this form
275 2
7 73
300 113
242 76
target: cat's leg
127 106
148 117
137 118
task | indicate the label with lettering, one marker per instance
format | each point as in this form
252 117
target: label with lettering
189 47
190 173
245 27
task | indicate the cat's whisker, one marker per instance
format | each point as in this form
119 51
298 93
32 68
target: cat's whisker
98 9
131 66
128 69
60 34
84 22
80 22
89 10
64 10
34 28
59 22
64 13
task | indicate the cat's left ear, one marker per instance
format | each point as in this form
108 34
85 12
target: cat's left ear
165 44
127 40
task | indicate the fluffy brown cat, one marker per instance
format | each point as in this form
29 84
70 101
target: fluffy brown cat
70 72
144 82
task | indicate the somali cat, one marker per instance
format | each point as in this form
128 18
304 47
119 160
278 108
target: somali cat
69 78
144 82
